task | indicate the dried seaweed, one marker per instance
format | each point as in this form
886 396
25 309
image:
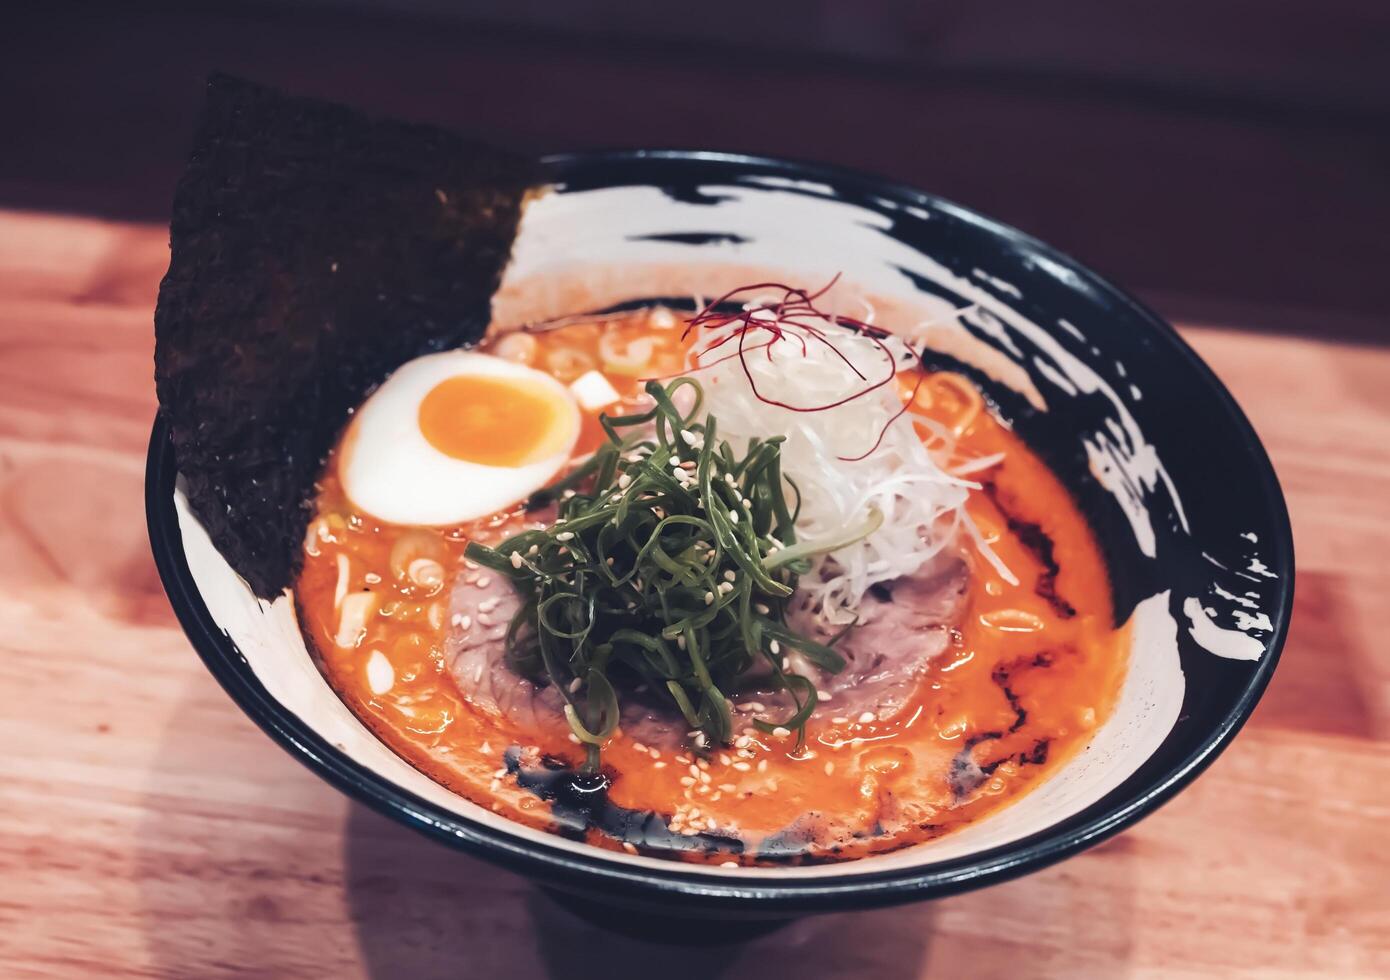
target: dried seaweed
313 250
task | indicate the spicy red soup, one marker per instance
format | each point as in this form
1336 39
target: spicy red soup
1026 673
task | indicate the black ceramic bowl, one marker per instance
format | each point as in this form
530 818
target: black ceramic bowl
1175 482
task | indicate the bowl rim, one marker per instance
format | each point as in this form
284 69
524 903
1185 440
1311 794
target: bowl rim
598 875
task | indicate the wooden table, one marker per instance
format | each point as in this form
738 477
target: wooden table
147 828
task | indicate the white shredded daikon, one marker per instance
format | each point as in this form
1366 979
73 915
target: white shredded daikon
922 505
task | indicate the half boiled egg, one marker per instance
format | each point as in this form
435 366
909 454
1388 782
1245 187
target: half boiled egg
456 436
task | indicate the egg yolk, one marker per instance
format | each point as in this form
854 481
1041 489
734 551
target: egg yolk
495 421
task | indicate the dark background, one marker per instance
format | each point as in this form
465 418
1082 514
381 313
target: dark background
1229 160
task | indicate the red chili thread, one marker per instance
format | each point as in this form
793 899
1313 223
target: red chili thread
796 308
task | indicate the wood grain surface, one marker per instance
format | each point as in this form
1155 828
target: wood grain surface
147 828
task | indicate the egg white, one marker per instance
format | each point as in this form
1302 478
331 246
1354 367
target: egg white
390 471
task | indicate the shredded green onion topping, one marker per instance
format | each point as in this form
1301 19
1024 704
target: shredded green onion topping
670 566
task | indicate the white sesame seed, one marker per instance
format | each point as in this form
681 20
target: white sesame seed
742 766
727 787
516 559
733 516
729 575
829 768
709 598
724 759
839 720
775 647
822 695
658 765
484 581
780 732
761 609
729 864
687 780
576 684
762 765
624 481
725 588
483 620
565 536
867 717
533 550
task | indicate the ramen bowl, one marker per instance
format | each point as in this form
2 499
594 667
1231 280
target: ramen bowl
1174 482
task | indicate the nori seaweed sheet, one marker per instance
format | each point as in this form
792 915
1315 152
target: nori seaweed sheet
313 251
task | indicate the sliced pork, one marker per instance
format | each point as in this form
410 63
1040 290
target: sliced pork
902 627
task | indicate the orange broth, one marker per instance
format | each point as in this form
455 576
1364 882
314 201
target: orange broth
1030 672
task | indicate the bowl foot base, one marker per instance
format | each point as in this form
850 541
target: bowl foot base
667 929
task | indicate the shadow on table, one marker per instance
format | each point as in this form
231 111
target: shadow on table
423 911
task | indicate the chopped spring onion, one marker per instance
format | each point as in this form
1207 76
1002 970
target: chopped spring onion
670 565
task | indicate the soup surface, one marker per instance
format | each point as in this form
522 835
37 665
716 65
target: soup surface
1026 672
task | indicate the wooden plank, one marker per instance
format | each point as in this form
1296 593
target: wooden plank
147 828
